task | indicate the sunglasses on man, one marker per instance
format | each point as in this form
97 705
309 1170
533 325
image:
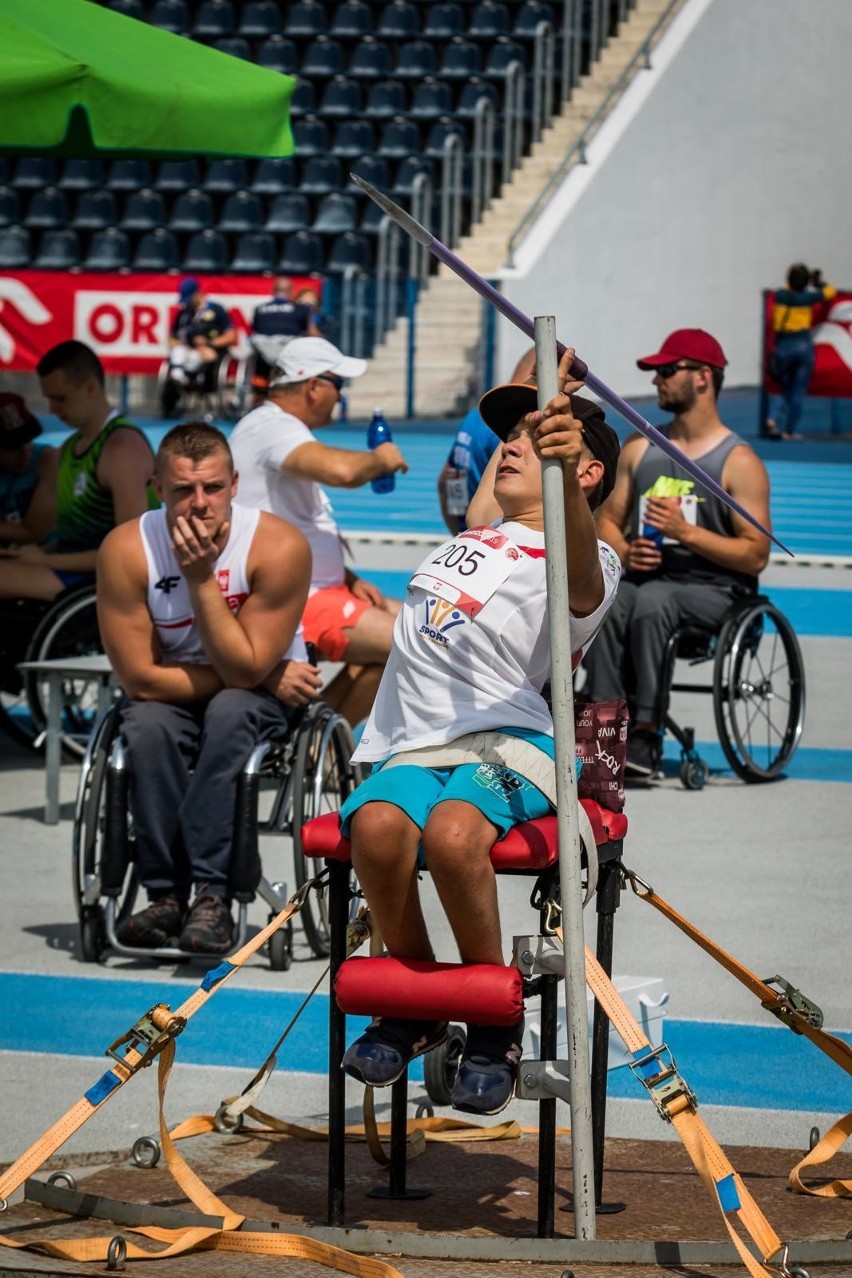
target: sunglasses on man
668 370
337 382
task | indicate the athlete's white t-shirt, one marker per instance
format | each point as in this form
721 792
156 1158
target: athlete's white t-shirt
471 644
261 443
169 601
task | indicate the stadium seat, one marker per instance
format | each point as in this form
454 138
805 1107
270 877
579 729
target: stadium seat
432 98
321 174
156 251
95 210
336 214
255 252
311 136
206 251
488 21
371 219
304 19
373 169
385 99
170 15
81 175
260 18
58 250
351 20
443 21
243 212
342 99
415 60
128 175
234 46
214 20
400 137
32 172
322 58
14 247
399 20
225 175
303 101
471 93
529 17
10 206
109 250
348 250
302 254
5 170
290 212
501 55
371 60
178 175
193 211
461 60
438 134
48 209
408 170
273 175
144 211
130 8
278 54
353 138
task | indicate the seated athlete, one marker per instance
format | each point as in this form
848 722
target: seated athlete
460 733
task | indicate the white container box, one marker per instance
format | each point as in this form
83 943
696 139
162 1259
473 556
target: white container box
644 996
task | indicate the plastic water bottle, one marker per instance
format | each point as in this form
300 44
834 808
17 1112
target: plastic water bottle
379 432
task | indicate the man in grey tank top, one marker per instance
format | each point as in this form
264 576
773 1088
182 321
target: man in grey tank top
686 556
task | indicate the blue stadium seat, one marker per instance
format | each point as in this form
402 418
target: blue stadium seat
128 175
489 20
400 137
255 252
471 92
226 174
353 138
214 20
371 60
95 210
336 213
289 212
304 19
321 174
278 54
304 100
528 18
193 211
342 99
322 58
371 219
58 250
32 172
10 206
461 60
408 170
81 175
374 169
130 8
501 55
234 46
260 18
206 251
109 250
5 170
351 20
385 99
144 211
156 251
432 98
311 136
438 134
178 175
170 15
274 174
242 212
443 21
350 249
302 255
416 59
399 20
48 209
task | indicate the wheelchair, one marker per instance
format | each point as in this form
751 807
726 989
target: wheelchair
38 630
224 396
306 773
758 691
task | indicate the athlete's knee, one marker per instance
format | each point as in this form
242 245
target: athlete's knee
377 832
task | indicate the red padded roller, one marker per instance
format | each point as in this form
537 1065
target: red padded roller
476 993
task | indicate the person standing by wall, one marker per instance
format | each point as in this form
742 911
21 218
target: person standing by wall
793 353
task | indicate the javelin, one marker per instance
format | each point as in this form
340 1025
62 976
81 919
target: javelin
579 368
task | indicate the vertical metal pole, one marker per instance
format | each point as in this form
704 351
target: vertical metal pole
412 288
567 821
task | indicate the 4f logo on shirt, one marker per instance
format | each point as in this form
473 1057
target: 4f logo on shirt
166 584
80 484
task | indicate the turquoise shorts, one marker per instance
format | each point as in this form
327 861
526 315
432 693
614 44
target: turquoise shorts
501 795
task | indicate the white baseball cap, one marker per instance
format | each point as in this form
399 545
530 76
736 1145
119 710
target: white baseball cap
306 357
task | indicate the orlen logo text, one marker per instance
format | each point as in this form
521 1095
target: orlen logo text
136 325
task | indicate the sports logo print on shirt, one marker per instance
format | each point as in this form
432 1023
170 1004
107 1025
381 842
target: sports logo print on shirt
440 617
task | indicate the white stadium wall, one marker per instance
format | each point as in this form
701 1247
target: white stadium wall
726 162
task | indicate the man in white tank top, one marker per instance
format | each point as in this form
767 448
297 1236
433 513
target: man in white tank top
198 605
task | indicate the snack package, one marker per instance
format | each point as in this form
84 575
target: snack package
600 732
679 490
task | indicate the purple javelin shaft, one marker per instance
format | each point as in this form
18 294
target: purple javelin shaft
579 367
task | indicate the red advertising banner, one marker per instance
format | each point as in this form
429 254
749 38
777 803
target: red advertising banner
832 375
125 318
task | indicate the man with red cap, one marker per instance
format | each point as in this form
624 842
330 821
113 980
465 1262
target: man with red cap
685 555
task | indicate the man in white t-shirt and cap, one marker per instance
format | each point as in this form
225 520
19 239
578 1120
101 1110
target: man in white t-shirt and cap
282 467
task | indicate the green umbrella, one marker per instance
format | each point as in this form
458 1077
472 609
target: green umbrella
79 79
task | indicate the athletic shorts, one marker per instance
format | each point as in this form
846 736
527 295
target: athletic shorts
328 615
503 796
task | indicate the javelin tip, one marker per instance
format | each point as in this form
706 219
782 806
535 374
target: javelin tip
402 219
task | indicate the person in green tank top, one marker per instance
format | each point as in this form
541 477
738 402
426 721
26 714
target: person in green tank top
101 478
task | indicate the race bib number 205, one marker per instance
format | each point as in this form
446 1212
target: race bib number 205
468 570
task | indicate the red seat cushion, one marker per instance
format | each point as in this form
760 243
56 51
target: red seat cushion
477 993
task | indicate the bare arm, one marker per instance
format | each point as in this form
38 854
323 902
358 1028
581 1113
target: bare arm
452 521
125 467
343 467
40 515
483 508
613 516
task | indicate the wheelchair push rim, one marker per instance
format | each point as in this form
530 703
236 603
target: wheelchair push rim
68 629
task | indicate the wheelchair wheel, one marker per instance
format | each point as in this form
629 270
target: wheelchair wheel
324 777
88 834
759 692
18 621
232 387
68 629
441 1065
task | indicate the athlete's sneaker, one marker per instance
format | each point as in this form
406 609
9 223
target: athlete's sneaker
158 925
209 927
488 1068
644 752
380 1056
